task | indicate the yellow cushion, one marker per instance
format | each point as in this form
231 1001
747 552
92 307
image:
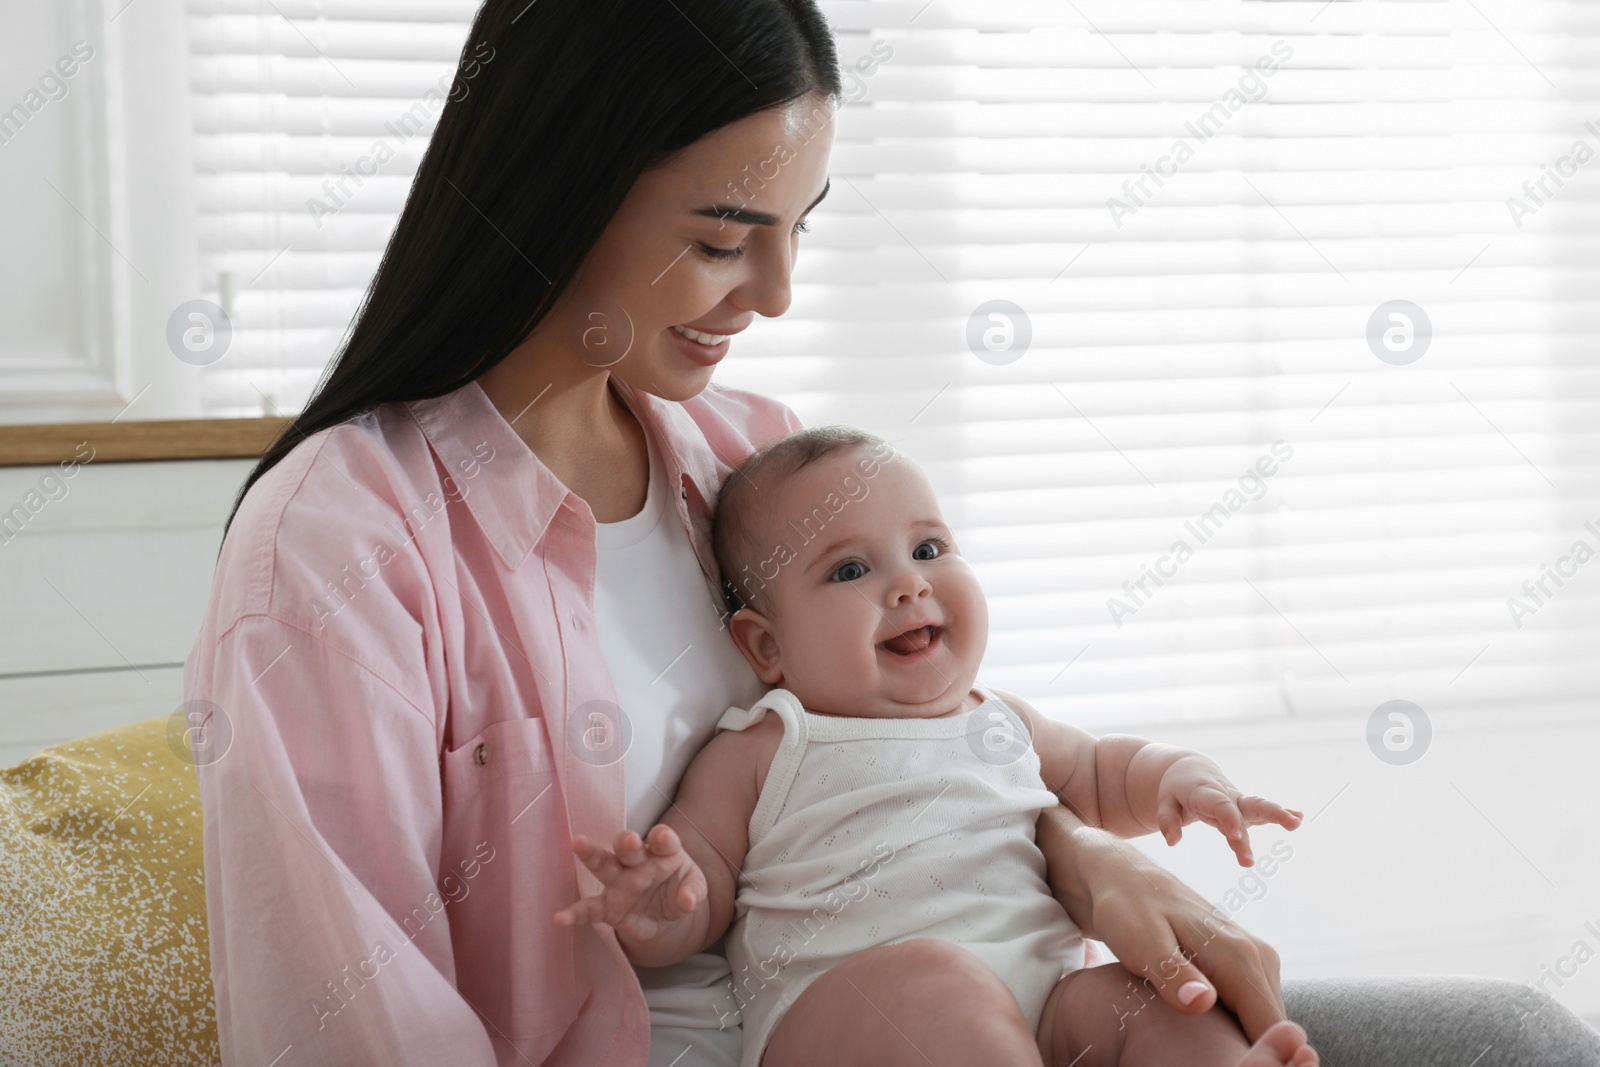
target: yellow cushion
104 956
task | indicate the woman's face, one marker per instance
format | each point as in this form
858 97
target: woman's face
703 243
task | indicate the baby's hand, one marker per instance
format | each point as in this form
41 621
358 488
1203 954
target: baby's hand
1195 788
649 885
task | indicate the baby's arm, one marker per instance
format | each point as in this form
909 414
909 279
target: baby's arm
671 895
1131 786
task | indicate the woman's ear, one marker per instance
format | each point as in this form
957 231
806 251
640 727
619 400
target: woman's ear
753 635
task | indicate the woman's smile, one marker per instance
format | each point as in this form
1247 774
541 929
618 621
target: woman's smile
704 347
702 354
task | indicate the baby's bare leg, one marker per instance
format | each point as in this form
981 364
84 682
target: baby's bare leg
1108 1017
905 1005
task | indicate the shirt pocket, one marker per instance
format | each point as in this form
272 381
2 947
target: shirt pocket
501 793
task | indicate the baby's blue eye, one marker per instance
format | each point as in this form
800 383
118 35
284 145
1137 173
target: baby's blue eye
848 572
932 553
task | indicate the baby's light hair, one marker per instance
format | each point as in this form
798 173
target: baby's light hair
734 526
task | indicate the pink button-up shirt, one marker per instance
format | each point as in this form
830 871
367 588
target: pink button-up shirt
400 630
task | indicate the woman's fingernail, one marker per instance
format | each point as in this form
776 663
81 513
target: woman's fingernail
1190 991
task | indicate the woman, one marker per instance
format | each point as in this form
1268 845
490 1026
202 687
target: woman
488 529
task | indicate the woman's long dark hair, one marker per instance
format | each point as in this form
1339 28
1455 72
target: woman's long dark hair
529 164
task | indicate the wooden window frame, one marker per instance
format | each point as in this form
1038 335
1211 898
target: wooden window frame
143 440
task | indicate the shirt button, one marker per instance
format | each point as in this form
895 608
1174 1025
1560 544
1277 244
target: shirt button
684 492
481 754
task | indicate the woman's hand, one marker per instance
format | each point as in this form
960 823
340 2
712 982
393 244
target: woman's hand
654 895
1157 926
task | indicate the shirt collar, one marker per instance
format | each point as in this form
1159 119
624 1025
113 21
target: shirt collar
514 497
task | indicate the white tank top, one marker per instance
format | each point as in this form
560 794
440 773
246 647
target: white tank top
870 831
675 671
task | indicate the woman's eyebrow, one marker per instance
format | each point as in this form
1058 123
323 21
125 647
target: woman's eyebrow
746 217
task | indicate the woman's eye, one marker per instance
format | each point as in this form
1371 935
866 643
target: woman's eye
723 254
848 572
928 550
713 252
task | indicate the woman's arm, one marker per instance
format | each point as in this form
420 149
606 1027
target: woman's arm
322 821
1157 926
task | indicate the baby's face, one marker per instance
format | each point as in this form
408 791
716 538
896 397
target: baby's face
877 614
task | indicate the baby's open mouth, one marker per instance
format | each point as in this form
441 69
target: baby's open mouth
913 641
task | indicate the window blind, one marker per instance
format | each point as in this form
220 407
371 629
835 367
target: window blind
310 120
1288 408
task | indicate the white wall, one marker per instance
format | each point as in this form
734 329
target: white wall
102 592
99 240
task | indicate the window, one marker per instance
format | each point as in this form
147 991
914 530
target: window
1245 341
310 119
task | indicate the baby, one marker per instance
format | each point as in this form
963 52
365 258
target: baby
888 799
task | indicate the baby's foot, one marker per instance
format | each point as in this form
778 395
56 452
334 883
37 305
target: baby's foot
1283 1045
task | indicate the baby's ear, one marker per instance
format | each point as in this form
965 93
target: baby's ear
753 636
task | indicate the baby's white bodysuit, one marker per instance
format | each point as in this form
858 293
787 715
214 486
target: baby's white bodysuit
872 831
